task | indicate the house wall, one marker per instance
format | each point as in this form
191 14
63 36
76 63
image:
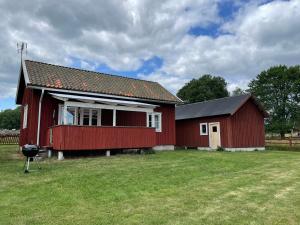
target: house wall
167 136
126 118
248 127
30 98
188 131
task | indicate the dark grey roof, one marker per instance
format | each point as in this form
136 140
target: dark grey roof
216 107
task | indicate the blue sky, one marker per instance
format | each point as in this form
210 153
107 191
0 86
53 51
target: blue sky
171 42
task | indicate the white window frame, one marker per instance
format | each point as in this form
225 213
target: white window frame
153 114
201 133
25 116
60 120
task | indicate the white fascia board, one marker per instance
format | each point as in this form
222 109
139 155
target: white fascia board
102 106
25 74
100 95
26 77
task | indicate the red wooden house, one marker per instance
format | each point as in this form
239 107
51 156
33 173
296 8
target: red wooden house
71 109
234 123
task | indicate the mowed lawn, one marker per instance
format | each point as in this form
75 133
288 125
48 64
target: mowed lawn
176 187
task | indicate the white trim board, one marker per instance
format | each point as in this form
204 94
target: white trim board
102 106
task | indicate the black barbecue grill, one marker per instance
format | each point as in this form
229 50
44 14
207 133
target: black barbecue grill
30 152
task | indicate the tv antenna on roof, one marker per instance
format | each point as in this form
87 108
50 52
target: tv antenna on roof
21 48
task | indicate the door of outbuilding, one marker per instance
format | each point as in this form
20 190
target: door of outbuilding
214 135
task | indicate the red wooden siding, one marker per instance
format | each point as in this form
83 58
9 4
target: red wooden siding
96 138
28 135
107 117
167 136
188 131
248 127
49 117
126 118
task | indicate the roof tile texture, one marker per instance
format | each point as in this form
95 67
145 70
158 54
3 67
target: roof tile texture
59 77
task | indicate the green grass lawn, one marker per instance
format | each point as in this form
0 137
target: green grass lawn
175 187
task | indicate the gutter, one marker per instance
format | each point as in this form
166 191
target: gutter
39 119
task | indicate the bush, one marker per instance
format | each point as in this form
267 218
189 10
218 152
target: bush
220 149
148 151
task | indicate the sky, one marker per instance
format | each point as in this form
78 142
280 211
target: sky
167 41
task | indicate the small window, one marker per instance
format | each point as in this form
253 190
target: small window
154 120
25 114
215 129
203 129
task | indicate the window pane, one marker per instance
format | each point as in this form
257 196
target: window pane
203 128
70 116
86 116
150 120
156 120
215 129
94 117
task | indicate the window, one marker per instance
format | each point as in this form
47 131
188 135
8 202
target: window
71 116
203 129
25 114
154 120
215 129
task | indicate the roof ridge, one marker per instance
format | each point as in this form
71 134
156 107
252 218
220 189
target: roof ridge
193 103
90 71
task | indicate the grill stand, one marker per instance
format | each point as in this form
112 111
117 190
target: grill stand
27 162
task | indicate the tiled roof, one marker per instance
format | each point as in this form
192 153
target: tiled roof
60 77
216 107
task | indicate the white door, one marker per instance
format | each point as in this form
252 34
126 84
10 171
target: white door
214 135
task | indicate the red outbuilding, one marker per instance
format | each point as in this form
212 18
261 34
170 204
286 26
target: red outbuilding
67 109
234 123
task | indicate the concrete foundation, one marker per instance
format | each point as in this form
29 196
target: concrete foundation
163 147
60 155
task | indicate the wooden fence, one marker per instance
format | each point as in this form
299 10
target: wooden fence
288 142
9 139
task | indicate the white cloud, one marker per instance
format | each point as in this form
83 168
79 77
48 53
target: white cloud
122 34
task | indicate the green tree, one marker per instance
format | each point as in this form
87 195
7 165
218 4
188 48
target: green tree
238 91
10 119
278 88
205 88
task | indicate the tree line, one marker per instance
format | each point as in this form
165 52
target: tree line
278 89
10 119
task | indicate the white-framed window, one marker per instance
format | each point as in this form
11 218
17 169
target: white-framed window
154 120
25 115
203 129
79 116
